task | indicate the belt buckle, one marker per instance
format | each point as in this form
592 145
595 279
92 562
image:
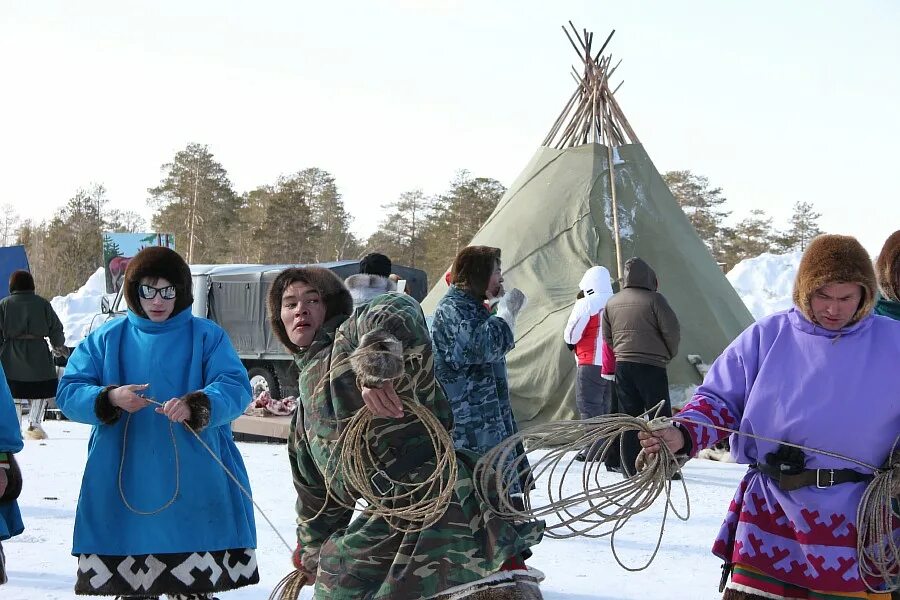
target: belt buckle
819 483
379 478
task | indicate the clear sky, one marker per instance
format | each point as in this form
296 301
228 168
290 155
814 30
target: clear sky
773 101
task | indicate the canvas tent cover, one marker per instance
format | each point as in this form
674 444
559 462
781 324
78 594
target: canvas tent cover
554 222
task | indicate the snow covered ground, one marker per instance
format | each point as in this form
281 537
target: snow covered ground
765 283
41 567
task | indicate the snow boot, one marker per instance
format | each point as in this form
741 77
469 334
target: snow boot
35 432
504 585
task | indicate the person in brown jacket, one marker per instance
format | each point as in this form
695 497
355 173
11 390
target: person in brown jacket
643 331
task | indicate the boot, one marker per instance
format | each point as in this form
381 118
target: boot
35 429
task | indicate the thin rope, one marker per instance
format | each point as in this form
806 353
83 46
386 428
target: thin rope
614 505
215 458
122 468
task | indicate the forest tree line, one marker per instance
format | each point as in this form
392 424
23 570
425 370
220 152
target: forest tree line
301 218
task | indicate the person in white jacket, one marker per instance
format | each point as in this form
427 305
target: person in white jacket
583 335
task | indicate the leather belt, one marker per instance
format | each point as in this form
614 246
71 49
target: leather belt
820 478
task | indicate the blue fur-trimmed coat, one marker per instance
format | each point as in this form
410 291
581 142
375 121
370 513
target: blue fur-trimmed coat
180 355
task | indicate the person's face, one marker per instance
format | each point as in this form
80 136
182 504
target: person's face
157 296
302 313
834 304
495 283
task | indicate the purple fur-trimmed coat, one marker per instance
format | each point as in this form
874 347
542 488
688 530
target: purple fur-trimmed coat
789 379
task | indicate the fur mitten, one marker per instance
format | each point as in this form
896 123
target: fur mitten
510 305
378 358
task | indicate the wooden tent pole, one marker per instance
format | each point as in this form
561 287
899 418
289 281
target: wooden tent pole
612 190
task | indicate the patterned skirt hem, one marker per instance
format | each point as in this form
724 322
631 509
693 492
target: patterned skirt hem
156 574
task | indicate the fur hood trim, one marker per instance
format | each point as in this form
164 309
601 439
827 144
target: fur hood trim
364 287
834 259
887 268
472 269
158 261
336 297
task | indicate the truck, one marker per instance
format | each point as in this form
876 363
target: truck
235 297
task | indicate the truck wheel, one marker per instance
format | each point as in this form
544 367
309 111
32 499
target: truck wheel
263 379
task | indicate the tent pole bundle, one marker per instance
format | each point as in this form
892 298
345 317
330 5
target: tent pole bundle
592 115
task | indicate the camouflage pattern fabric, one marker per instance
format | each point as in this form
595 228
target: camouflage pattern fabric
365 559
470 347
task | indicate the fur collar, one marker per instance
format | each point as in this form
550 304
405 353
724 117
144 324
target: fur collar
364 287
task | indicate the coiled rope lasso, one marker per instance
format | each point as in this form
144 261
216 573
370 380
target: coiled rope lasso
595 510
594 505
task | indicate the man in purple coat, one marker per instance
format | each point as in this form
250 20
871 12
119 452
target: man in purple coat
823 375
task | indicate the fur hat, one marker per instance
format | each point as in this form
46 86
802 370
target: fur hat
157 261
330 287
834 259
21 281
472 269
887 267
375 264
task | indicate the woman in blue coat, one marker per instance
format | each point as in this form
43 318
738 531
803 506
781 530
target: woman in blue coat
10 478
157 514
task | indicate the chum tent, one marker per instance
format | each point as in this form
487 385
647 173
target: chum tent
557 219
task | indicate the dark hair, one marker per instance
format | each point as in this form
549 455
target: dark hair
375 264
21 281
157 261
472 269
330 287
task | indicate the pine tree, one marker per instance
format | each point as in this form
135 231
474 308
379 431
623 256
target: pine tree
702 206
456 218
196 202
804 227
400 234
751 237
334 240
287 233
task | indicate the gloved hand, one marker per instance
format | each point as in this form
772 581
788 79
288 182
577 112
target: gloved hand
511 303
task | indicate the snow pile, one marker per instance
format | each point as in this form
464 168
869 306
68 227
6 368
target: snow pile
765 283
80 310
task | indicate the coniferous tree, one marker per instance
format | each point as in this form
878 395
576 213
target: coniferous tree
401 234
287 233
702 205
196 202
804 227
751 237
456 218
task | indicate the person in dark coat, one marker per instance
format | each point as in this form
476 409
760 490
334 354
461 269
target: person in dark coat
27 321
644 333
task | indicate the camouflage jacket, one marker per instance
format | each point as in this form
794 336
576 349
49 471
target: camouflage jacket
470 347
365 559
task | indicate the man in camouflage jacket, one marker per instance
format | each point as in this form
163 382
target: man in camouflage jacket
365 559
470 346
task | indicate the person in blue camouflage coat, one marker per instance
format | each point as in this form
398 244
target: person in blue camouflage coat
470 346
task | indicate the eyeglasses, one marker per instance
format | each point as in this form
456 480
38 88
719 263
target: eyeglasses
148 292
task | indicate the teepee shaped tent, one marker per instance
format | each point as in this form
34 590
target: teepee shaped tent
561 216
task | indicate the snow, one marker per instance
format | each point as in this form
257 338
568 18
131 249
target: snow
765 283
80 310
41 567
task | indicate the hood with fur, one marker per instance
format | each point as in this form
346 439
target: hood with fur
157 261
834 259
597 288
887 268
472 269
330 287
364 287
